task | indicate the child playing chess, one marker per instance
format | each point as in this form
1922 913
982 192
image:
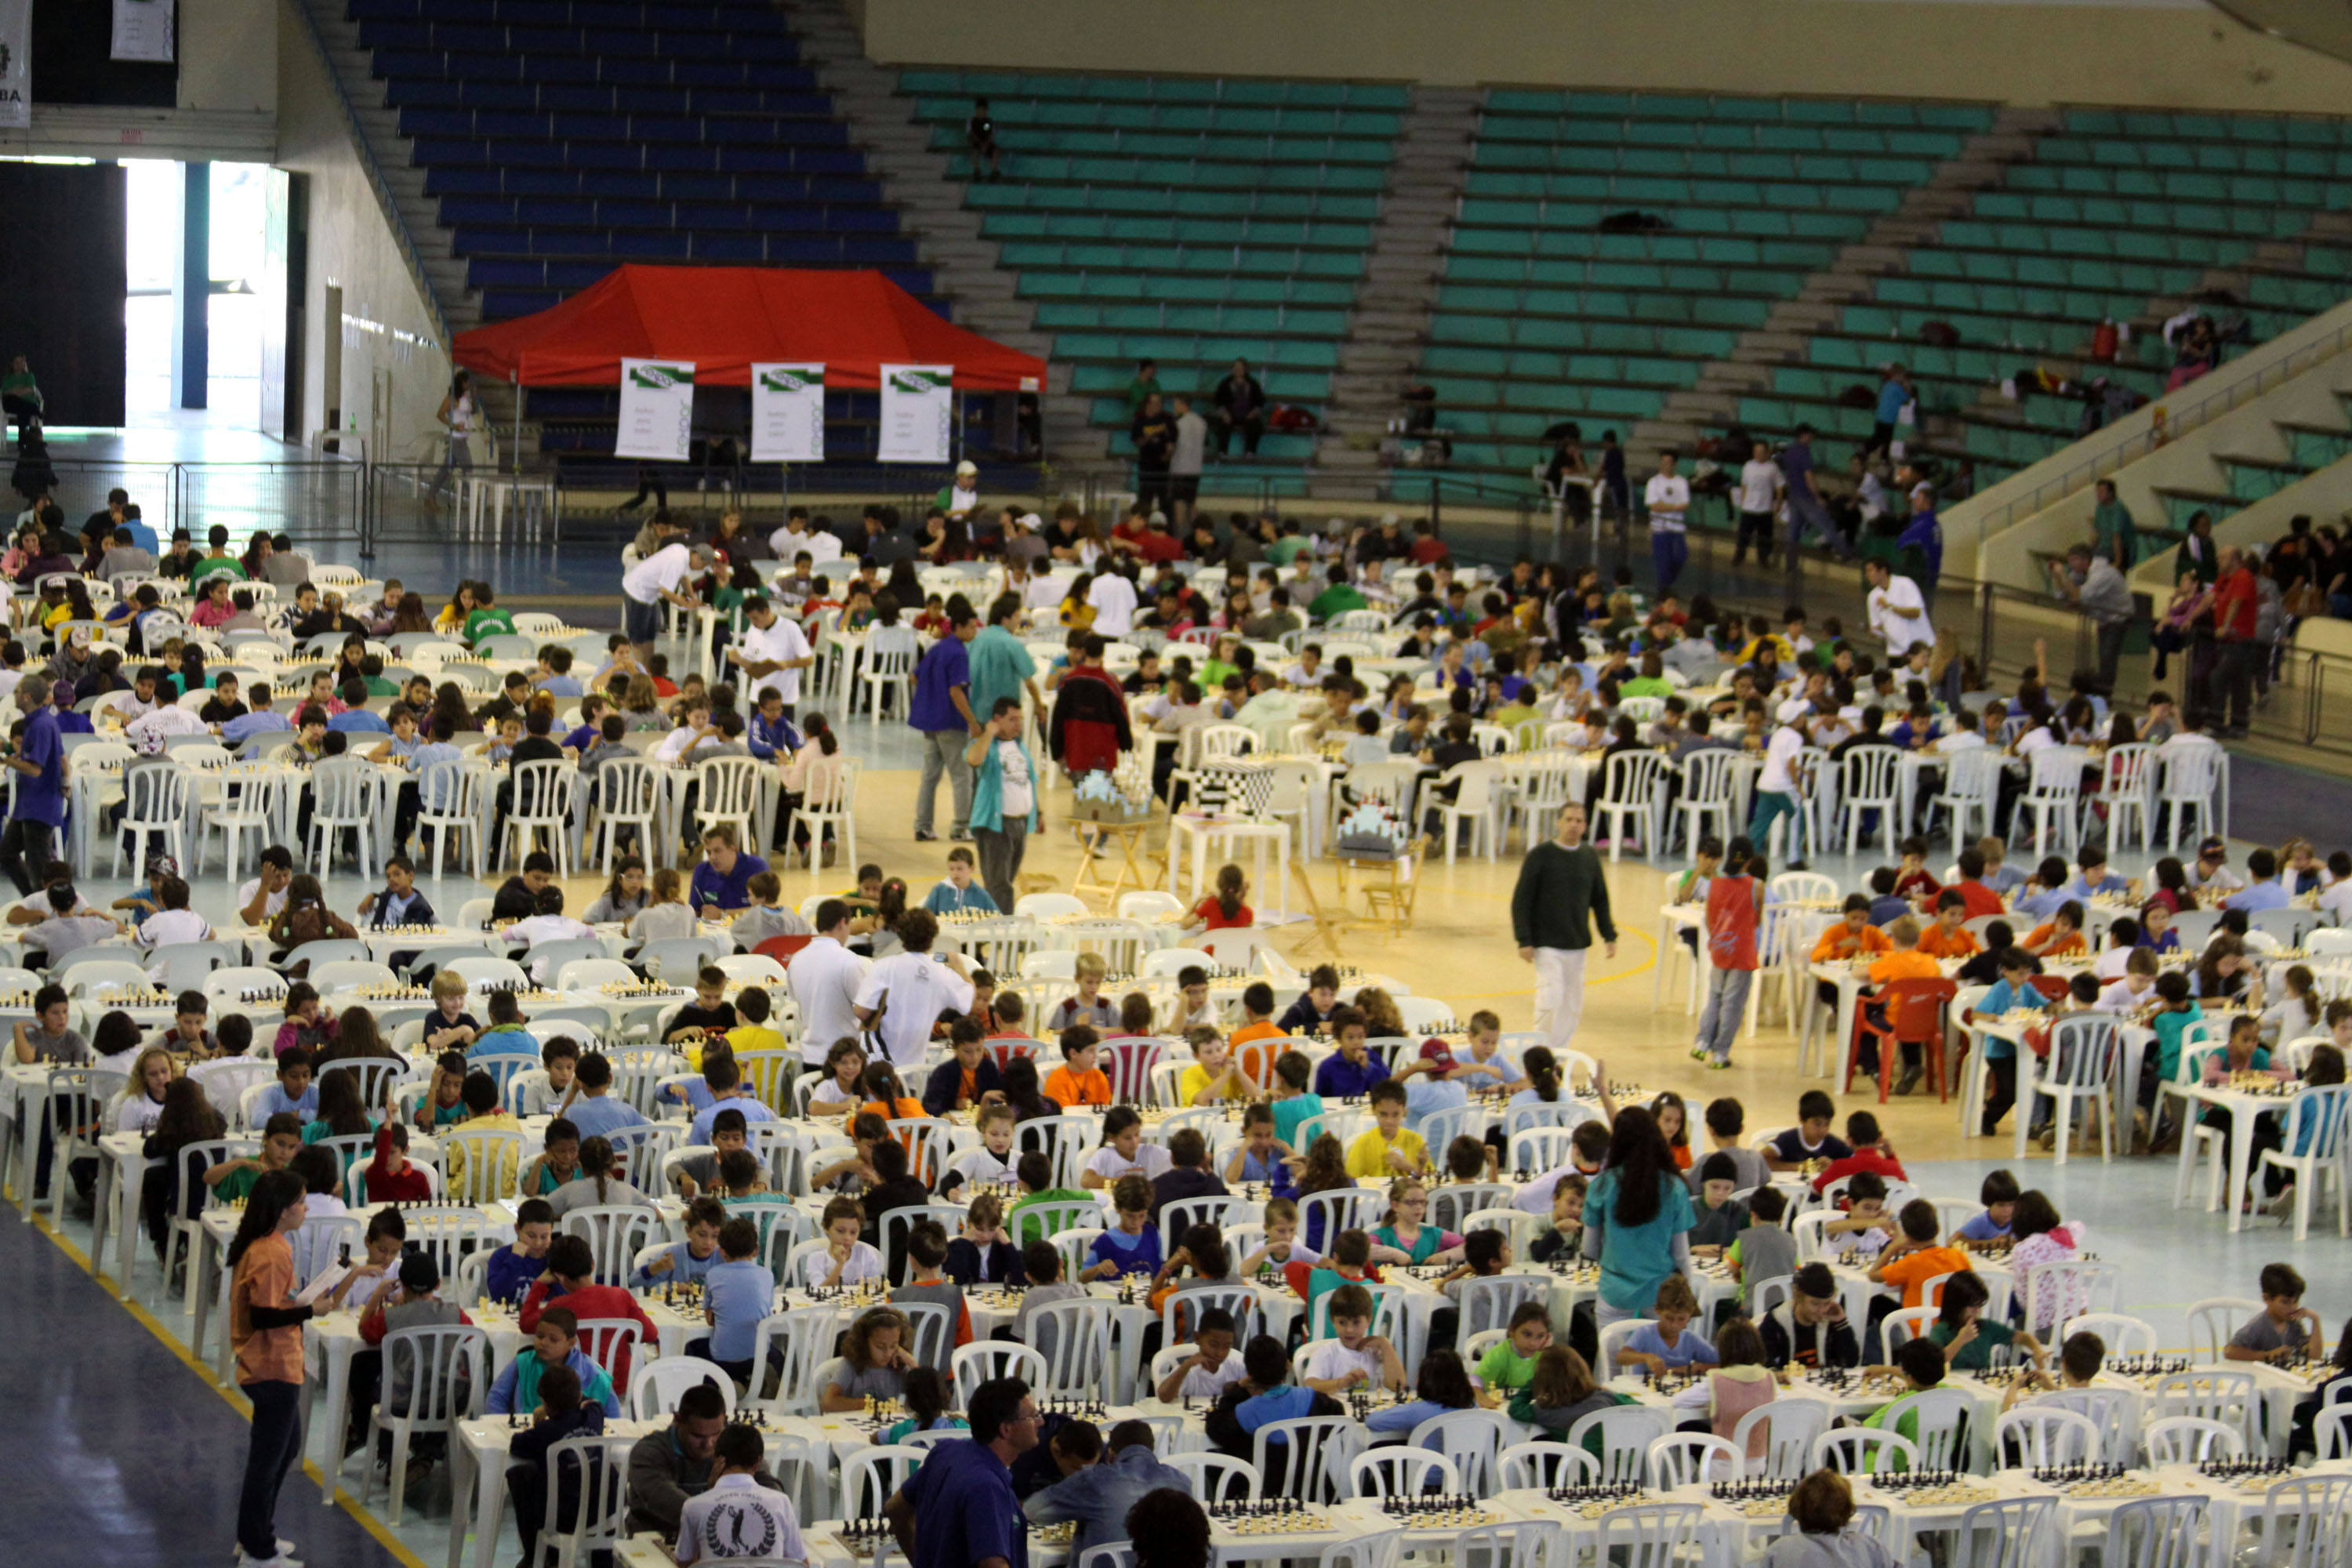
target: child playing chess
1440 1387
839 1094
845 1260
927 1408
738 1295
1265 1393
390 1178
983 1254
1560 1391
1214 1077
1667 1342
690 1261
874 1361
1260 1156
561 1413
2079 1361
443 1104
1212 1368
1861 1232
1919 1365
1079 1081
994 1161
1738 1381
1132 1244
1282 1247
1565 1237
187 1035
928 1284
555 1342
1483 1253
511 1269
1509 1365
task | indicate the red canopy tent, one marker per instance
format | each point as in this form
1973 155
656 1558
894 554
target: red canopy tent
726 319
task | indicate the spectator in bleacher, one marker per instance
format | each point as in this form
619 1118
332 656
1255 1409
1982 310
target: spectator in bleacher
1146 384
2091 583
1667 499
2113 534
979 136
1240 401
2229 701
1920 546
1154 433
1185 462
2198 557
1758 496
1893 393
1806 507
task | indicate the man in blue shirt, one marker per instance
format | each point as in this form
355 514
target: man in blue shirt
962 1497
1098 1496
1893 394
723 879
2266 892
1805 506
400 904
2091 878
941 712
37 806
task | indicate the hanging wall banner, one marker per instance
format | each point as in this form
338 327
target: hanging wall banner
788 413
143 30
918 413
657 409
15 63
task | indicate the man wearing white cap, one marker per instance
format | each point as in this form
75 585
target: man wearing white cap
962 498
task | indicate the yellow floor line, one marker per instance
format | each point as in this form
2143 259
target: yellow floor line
236 1401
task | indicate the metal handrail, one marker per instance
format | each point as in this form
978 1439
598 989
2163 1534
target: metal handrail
382 187
2177 423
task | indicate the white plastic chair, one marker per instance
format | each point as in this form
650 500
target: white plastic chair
155 801
252 797
2079 1066
446 1376
1629 793
1864 1450
343 799
2045 1435
1775 1441
2189 1440
1687 1458
1216 1477
449 804
2212 1321
2321 1111
1868 782
2192 777
656 1385
1401 1470
1625 1433
1546 1465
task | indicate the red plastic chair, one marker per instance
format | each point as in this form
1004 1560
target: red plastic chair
781 948
1915 1013
2052 986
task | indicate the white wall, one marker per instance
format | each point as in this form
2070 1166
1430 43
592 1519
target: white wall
228 53
352 245
2027 52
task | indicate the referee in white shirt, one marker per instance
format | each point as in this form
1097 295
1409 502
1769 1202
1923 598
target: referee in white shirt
1667 496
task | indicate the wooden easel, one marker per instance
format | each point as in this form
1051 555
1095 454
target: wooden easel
1329 923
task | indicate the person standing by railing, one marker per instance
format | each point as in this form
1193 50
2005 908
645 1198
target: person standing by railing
2092 584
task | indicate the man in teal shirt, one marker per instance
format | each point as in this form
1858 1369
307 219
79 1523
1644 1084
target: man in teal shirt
1000 661
2113 533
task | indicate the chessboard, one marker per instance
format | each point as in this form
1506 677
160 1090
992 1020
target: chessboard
1276 1516
1591 1502
2248 1474
1060 1534
1439 1512
859 1293
394 992
1959 1494
137 996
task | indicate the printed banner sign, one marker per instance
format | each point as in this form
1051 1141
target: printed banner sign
788 413
15 63
918 413
657 409
143 30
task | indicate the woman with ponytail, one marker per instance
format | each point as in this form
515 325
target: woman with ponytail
265 1328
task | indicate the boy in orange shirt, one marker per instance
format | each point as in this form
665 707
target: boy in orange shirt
1917 1255
1079 1081
1903 962
1949 937
1257 1008
2060 936
1853 937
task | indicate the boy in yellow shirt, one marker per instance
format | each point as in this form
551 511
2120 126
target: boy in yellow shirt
1389 1149
751 1032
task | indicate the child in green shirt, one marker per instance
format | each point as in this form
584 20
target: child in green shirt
1508 1367
1035 1174
1921 1364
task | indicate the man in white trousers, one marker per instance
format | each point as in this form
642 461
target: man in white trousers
1561 896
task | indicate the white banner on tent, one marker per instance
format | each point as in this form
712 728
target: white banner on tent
788 413
15 63
918 413
657 409
143 30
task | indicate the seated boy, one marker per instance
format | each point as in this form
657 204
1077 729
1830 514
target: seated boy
1389 1149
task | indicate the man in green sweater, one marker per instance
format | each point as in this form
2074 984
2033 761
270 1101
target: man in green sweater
2113 535
1561 896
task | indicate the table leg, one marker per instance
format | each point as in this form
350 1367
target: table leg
102 1202
2241 1154
338 1404
490 1517
134 1194
460 1456
200 1286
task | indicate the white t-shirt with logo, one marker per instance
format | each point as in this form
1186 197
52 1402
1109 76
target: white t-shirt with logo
779 641
658 573
1017 796
738 1517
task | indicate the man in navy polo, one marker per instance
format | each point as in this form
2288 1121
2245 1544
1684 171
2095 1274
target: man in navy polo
721 880
963 1494
941 712
36 808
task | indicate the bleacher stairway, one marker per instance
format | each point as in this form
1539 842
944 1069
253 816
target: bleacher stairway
1713 401
914 178
1388 325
